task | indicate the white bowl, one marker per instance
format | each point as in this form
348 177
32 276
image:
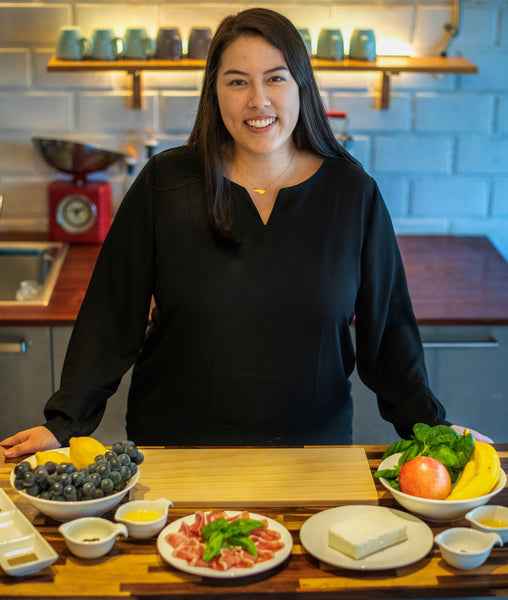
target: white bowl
91 537
144 529
437 510
66 511
466 548
490 511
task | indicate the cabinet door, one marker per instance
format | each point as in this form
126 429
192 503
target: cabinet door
112 426
468 371
25 377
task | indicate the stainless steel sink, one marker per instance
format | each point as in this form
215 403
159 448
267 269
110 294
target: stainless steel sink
37 262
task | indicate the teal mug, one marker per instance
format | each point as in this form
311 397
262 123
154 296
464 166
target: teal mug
330 44
307 40
362 45
105 45
138 44
71 44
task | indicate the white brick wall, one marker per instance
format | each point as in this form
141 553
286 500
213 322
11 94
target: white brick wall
439 154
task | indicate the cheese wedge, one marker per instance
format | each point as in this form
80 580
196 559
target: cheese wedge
367 532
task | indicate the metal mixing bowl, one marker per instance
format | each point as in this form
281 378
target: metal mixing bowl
75 158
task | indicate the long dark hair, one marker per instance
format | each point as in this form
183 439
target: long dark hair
210 139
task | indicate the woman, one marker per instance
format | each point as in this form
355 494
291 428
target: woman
259 240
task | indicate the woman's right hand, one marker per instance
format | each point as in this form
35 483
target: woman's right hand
29 441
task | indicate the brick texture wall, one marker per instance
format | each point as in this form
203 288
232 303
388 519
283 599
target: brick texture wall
440 153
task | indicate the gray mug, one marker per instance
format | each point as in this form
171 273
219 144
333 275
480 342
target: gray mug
330 44
105 45
71 44
169 44
362 45
199 42
138 44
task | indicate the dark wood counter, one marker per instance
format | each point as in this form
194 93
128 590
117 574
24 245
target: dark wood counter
134 569
453 280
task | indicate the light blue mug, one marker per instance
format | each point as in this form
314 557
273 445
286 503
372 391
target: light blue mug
307 40
71 45
330 44
362 45
105 45
138 44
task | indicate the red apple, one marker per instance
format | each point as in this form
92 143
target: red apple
425 477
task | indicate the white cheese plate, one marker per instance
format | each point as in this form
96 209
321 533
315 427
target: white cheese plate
314 537
23 550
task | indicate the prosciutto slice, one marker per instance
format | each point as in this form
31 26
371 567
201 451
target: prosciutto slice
189 546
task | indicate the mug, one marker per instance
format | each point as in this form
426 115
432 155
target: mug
71 44
307 40
169 44
105 45
362 45
330 44
199 42
138 44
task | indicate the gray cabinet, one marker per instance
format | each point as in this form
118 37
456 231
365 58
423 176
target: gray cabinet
112 426
468 372
26 378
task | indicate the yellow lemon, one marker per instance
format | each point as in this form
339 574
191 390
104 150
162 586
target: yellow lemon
51 456
83 450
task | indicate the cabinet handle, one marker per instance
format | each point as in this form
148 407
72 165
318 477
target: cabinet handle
490 343
13 347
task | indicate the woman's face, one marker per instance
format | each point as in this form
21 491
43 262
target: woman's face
258 97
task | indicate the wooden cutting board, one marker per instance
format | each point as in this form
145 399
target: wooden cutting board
256 477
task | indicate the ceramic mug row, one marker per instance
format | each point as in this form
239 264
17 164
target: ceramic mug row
330 46
135 44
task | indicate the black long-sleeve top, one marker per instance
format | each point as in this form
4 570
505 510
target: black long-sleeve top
249 345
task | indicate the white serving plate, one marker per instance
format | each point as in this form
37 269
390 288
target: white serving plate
65 511
166 550
314 537
437 510
23 550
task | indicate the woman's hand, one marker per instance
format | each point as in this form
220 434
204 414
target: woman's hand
475 434
29 441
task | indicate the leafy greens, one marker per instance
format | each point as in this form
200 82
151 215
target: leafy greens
219 533
440 442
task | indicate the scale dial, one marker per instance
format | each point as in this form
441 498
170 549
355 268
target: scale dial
76 213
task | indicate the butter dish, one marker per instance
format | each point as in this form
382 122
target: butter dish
23 550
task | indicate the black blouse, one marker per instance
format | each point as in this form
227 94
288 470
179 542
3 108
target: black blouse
249 346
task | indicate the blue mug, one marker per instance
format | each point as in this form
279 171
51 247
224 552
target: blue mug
330 44
362 45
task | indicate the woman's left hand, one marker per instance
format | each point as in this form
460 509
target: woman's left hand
477 436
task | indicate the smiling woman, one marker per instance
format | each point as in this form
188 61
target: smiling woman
260 240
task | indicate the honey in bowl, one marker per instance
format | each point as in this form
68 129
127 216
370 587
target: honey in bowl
493 523
142 516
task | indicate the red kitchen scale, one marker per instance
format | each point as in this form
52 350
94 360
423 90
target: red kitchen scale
80 211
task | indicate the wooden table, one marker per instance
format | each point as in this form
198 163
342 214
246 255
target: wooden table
135 569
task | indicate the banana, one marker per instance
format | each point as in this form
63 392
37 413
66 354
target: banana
480 474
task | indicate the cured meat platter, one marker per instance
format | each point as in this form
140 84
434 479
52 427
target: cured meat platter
257 477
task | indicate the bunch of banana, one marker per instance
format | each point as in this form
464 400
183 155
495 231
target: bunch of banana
480 474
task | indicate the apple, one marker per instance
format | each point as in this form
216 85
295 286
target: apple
425 477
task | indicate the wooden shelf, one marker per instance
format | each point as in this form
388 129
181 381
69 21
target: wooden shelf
385 65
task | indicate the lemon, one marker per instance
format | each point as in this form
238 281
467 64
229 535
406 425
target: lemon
83 450
51 456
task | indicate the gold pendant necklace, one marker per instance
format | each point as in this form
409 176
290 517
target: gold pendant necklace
262 191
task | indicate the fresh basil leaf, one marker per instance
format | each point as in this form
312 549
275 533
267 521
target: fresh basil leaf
394 484
213 545
421 431
241 527
412 452
464 448
244 542
212 527
388 473
441 434
399 446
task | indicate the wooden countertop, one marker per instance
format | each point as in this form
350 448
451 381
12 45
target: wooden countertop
453 280
134 569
